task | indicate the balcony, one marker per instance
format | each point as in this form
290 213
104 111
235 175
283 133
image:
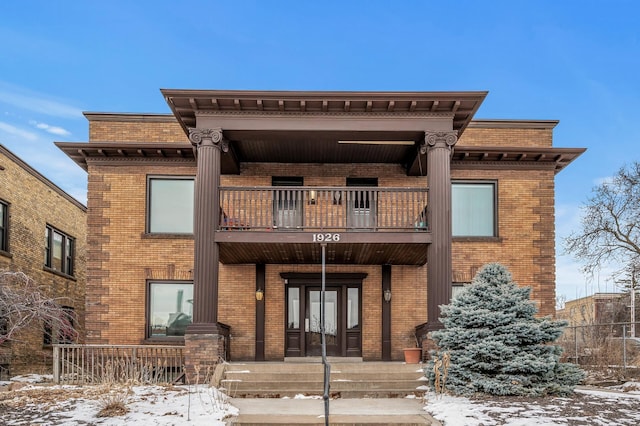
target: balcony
288 224
317 209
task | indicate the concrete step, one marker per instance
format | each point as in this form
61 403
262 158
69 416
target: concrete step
319 376
337 366
348 380
335 386
353 412
337 420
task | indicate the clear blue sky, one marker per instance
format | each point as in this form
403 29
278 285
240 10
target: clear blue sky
573 61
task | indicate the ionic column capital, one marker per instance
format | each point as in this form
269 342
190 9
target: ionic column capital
439 140
208 137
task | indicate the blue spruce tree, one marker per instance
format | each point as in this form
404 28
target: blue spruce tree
496 344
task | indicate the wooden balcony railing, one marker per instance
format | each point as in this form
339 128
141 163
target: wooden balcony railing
323 208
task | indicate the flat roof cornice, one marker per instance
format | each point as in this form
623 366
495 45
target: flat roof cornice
132 117
186 104
512 124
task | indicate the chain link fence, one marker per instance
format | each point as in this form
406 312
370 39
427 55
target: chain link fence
603 346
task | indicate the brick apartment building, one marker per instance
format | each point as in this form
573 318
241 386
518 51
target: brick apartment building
43 234
209 226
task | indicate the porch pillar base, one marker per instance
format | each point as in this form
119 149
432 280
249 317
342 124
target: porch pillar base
428 345
204 348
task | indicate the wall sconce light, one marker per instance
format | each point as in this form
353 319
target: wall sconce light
259 295
313 195
387 295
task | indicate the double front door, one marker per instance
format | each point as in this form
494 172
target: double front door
342 320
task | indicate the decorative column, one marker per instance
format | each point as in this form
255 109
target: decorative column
438 147
203 338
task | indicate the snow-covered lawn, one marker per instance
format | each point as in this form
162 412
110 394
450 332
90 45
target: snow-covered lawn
608 406
35 401
39 403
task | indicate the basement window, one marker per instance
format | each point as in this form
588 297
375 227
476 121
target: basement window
62 332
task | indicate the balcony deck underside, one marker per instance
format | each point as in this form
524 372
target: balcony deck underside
362 248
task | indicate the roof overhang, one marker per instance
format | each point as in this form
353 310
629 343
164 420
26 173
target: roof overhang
462 157
337 111
325 127
513 157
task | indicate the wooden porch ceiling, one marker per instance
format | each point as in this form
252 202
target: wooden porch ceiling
359 254
365 248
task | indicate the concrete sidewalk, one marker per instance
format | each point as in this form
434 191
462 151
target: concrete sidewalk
387 411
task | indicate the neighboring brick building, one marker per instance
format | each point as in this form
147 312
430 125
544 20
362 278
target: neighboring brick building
43 234
271 176
598 308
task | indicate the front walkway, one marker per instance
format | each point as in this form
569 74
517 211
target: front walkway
370 411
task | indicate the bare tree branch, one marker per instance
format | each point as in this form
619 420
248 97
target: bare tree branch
24 304
610 232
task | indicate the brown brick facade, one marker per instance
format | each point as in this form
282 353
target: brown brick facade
34 202
525 242
122 258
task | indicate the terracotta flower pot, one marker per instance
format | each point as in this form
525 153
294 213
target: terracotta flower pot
412 355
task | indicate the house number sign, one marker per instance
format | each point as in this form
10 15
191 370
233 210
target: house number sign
326 238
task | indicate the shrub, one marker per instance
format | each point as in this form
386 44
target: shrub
497 345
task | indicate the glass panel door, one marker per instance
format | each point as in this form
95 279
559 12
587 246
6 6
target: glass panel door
361 203
312 322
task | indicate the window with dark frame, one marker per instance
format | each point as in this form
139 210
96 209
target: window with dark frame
59 251
474 209
170 204
4 325
170 308
4 226
456 288
63 333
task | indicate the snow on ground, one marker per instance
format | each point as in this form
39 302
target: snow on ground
146 405
606 407
36 401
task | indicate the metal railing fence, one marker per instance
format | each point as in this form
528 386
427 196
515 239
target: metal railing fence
93 364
